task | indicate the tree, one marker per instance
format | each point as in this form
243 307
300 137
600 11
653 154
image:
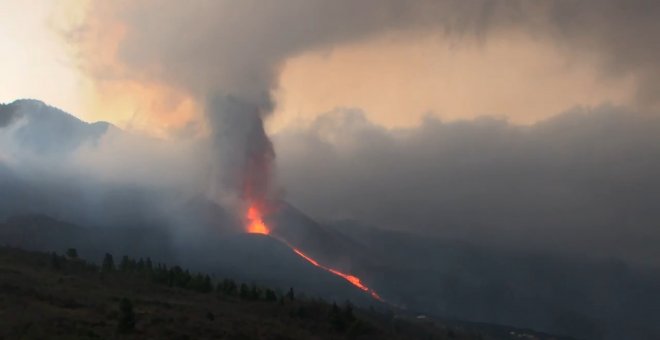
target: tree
124 264
72 253
55 261
108 263
255 292
337 318
290 295
126 323
270 295
245 291
228 287
343 319
200 283
207 286
149 265
348 312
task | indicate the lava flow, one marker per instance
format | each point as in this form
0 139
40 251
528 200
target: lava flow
256 225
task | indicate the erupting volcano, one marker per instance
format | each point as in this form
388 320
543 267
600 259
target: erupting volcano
256 225
256 178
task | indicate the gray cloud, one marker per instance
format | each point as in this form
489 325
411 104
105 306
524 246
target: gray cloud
235 48
583 183
229 49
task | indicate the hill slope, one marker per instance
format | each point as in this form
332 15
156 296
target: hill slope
49 296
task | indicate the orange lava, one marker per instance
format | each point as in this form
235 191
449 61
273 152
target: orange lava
256 225
354 280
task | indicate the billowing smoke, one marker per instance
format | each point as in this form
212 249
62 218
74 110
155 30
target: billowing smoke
228 53
580 183
242 143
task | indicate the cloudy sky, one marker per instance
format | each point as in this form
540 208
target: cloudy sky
35 62
510 121
123 62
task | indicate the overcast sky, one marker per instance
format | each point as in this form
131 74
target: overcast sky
475 118
391 61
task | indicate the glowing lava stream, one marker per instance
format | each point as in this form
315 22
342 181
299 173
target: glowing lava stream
256 225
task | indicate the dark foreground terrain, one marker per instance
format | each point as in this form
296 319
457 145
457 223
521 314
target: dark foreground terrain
60 296
63 297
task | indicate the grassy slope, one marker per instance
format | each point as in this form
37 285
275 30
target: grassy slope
40 301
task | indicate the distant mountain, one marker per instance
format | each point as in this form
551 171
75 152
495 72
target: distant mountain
42 129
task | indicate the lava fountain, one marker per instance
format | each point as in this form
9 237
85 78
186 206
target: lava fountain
256 225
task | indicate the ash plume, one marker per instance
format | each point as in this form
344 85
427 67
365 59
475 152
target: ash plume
242 142
228 54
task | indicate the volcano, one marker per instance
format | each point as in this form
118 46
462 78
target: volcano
428 274
256 225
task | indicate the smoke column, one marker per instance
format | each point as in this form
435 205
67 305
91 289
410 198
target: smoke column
227 54
244 153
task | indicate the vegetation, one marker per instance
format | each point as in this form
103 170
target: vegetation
126 323
55 296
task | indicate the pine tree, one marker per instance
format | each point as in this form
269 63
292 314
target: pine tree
185 279
124 264
149 265
270 295
228 287
108 263
290 295
196 283
132 265
207 286
255 293
336 318
55 261
348 312
72 253
244 291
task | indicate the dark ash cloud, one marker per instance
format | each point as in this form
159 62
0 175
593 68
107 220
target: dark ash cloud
582 183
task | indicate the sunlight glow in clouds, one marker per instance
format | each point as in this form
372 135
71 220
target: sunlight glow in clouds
395 79
35 63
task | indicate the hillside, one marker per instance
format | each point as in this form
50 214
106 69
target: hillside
443 277
53 296
44 129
